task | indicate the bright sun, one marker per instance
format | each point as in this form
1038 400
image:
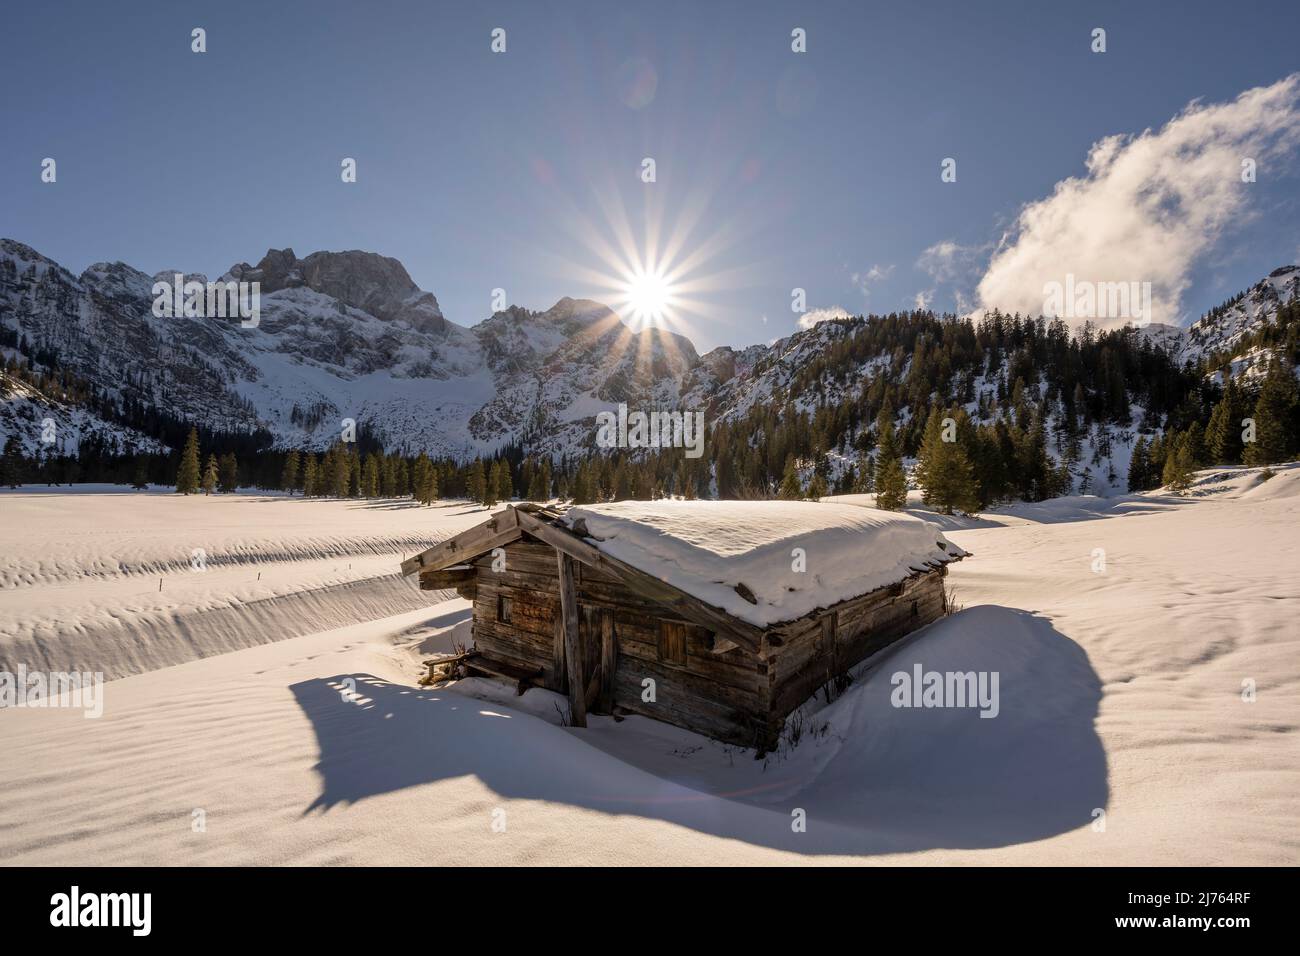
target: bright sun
648 295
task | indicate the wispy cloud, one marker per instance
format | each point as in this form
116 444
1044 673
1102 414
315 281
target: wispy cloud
863 281
1148 206
953 266
810 318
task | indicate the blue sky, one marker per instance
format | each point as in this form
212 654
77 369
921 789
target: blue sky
482 171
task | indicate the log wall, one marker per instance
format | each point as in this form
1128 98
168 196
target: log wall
734 696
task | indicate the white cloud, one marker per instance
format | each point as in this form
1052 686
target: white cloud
865 280
954 267
946 261
1148 207
810 318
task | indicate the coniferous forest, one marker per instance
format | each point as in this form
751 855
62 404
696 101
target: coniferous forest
976 412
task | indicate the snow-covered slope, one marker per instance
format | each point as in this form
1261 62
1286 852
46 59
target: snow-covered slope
1220 331
1120 693
349 335
342 336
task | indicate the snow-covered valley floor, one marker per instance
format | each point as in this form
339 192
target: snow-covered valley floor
1122 631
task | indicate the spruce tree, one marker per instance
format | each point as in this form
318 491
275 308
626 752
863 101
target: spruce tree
140 480
931 442
864 476
817 487
890 480
210 476
791 486
1139 466
370 476
535 490
289 476
187 478
310 477
581 488
505 489
475 482
1194 439
228 469
1177 471
1223 436
342 476
12 464
354 472
1274 416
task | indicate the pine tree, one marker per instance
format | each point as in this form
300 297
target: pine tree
1223 436
370 476
210 475
289 476
1177 471
228 482
791 486
187 478
424 478
536 491
948 478
931 442
1194 439
504 488
140 480
1274 414
817 487
864 476
342 476
1139 466
310 477
890 480
581 489
354 472
12 464
475 482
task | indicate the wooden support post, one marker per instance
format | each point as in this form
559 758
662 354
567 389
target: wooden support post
608 660
572 641
829 625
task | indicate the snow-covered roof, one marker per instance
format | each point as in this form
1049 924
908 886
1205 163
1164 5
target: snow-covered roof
707 548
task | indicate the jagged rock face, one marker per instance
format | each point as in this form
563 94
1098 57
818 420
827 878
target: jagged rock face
375 284
344 335
350 335
1221 329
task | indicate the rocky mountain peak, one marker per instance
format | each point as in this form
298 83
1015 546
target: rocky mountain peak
379 285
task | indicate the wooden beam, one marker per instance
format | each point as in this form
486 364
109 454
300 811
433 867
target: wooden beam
689 607
500 529
447 578
608 660
572 640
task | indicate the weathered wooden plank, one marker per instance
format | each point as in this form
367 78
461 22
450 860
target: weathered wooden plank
453 577
524 677
572 641
499 530
803 666
638 581
608 660
734 720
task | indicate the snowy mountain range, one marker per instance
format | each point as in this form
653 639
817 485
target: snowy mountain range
349 335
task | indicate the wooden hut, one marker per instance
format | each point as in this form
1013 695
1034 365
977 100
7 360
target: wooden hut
606 614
